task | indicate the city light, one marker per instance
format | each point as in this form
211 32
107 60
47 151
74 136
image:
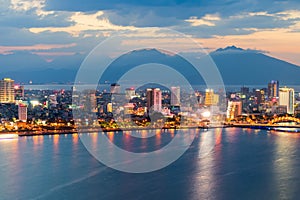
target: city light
206 114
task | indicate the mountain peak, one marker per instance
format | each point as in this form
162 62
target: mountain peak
233 49
152 51
230 48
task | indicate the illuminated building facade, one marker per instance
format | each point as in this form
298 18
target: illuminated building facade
211 99
109 107
22 112
154 100
273 90
53 100
7 91
287 98
259 96
93 102
175 96
234 109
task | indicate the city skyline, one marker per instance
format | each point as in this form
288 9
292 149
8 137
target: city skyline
139 99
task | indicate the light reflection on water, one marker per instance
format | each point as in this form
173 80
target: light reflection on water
226 163
285 164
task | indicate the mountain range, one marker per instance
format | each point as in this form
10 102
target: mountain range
237 67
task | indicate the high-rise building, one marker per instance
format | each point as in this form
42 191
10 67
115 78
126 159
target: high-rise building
129 93
154 100
22 112
273 90
89 100
260 96
109 107
234 109
7 91
216 99
115 88
19 92
287 98
211 99
53 100
175 96
93 102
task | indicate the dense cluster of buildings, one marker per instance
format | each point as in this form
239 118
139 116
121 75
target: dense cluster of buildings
273 100
44 107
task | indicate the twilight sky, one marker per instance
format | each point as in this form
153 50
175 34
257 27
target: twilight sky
58 32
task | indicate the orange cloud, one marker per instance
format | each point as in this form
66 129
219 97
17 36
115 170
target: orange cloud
85 22
281 43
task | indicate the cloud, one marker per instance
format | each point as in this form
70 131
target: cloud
207 20
245 23
179 8
278 42
84 22
29 23
10 49
54 53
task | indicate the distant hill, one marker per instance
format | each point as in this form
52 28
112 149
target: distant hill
236 65
239 66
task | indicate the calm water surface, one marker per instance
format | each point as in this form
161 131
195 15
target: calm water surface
220 164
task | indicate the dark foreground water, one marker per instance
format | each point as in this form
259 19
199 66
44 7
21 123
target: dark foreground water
236 164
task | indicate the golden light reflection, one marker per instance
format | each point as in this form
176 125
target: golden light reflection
172 133
55 142
93 137
158 137
284 167
110 136
144 133
218 135
205 177
127 135
75 138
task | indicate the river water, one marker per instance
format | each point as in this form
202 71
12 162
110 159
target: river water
228 163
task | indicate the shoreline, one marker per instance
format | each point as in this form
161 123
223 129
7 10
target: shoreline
90 130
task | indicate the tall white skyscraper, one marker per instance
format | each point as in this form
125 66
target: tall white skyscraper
7 91
286 98
154 99
175 96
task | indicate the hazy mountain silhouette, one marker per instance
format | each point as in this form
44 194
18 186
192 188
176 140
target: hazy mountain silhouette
239 66
236 65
